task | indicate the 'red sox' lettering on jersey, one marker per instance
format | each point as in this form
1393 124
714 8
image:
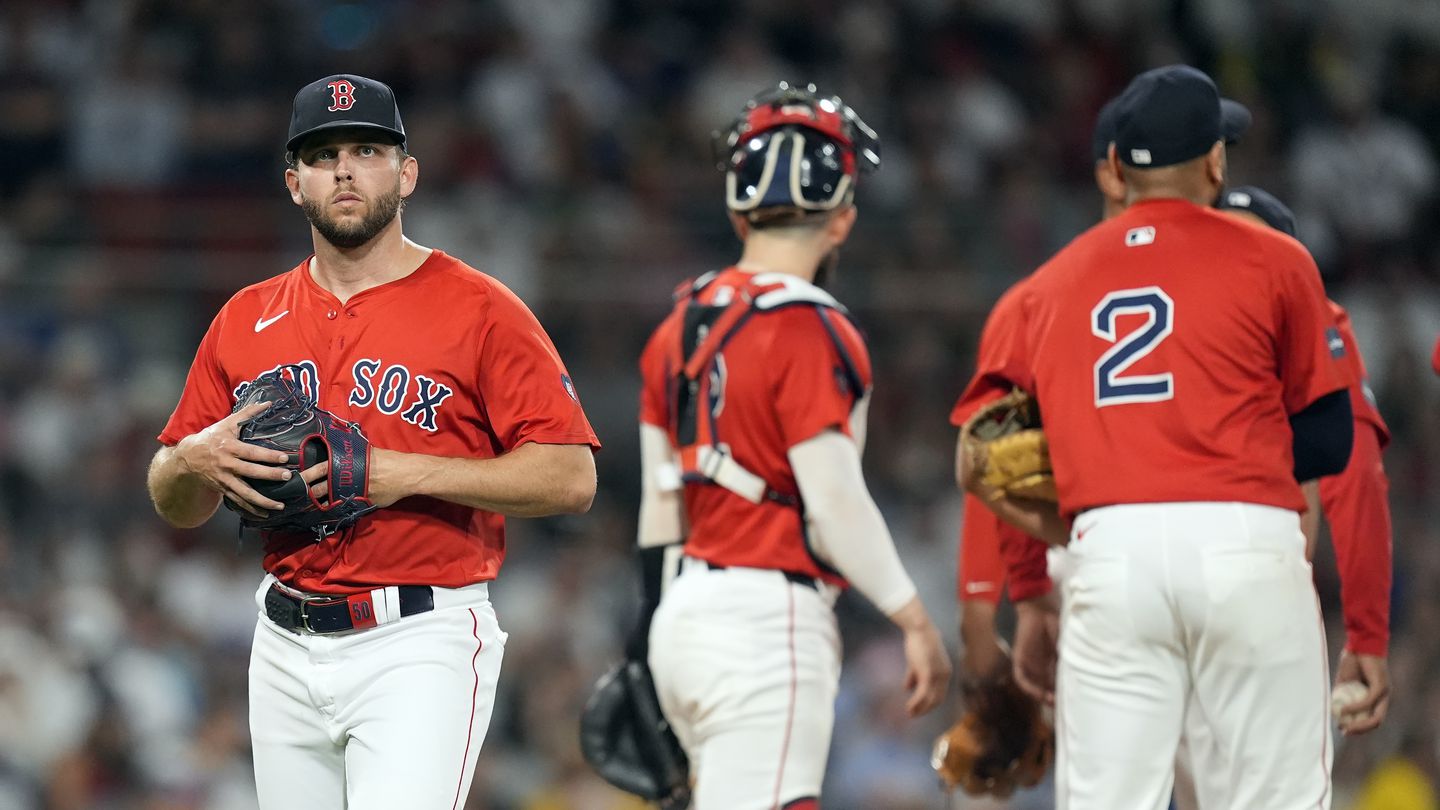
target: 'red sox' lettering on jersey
388 388
422 374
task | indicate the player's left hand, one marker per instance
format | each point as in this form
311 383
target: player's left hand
1373 671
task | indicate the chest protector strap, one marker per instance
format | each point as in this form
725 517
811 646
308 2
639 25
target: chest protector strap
698 373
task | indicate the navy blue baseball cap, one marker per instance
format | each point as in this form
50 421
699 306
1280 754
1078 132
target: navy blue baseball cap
1234 120
344 100
1262 204
1172 114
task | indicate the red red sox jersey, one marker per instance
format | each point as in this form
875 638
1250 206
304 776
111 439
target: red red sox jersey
1356 505
780 382
445 362
1362 399
992 551
1168 347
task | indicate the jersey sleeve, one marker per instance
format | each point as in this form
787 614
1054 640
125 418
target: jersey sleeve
1356 505
1025 563
1435 358
1362 397
527 392
812 390
654 377
1000 359
981 574
1311 350
206 398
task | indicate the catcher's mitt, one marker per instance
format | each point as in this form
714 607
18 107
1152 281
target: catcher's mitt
310 435
1007 449
1003 741
626 739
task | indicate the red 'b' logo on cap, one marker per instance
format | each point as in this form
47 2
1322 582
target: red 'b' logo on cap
342 95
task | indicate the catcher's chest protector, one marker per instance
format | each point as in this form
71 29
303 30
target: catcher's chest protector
698 371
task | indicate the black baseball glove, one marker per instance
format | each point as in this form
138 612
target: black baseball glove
627 740
310 435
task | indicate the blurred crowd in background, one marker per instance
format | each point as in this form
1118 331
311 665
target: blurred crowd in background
564 148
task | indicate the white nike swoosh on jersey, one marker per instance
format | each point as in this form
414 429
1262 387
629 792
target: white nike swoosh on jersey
977 587
261 323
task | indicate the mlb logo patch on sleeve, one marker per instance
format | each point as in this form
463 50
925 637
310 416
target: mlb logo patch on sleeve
1335 342
1135 237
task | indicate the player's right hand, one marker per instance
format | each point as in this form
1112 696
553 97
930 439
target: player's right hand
1037 637
218 457
1373 671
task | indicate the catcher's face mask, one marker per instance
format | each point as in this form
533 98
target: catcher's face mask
791 149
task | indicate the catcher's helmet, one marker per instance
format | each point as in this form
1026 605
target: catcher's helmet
792 153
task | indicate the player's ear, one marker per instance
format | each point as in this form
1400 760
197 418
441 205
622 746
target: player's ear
292 182
740 225
409 174
1112 165
1215 164
1110 182
837 228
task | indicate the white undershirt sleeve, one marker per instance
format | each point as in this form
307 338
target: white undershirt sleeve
662 501
846 527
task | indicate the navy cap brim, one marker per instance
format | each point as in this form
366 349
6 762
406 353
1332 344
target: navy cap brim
394 135
1262 204
1235 119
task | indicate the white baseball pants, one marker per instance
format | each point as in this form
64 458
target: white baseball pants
1208 606
388 717
747 667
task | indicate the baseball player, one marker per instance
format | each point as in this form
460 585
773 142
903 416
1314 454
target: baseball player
1183 367
376 653
1355 504
986 542
752 423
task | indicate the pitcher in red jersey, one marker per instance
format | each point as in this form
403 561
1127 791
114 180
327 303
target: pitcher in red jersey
1186 373
377 651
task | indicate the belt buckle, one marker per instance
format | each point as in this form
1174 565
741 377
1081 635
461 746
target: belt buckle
305 602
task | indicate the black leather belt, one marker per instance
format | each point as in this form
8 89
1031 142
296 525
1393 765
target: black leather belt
323 614
793 576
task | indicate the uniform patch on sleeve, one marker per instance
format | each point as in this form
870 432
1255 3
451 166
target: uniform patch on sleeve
569 387
1335 342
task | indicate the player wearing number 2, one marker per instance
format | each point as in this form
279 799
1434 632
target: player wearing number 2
1184 370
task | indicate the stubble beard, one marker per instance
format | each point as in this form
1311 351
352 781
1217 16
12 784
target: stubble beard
345 237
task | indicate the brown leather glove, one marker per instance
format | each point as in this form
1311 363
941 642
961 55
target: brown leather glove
1009 453
1003 741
